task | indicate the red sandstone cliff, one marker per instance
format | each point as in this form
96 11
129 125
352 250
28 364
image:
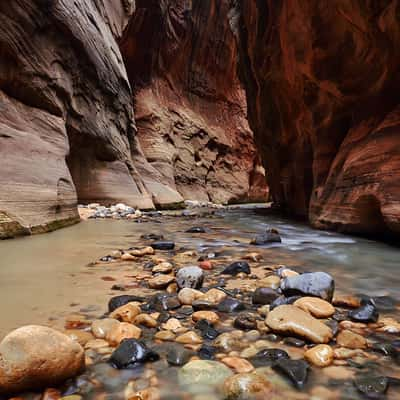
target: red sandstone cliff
190 109
323 84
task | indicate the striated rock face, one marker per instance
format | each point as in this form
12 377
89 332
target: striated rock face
66 117
322 80
193 137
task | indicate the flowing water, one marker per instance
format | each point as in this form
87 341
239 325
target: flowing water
47 277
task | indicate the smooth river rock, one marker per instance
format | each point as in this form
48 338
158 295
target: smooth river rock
247 385
315 306
33 357
289 319
190 277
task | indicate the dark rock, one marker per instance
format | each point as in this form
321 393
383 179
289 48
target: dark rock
270 236
118 287
236 268
230 304
163 245
162 302
365 313
268 357
318 284
152 236
178 355
272 337
264 296
334 325
295 342
340 315
207 352
282 300
295 370
372 387
245 321
119 301
130 353
190 277
149 265
385 348
207 330
201 305
196 229
106 259
385 303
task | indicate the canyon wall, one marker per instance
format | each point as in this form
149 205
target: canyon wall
323 83
190 109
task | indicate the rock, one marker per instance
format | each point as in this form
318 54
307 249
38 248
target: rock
315 306
200 305
128 257
271 281
320 356
270 236
209 316
203 373
168 336
346 301
268 357
372 386
351 340
145 251
163 245
206 265
189 338
295 370
207 330
123 331
190 277
196 229
214 296
295 342
161 281
317 284
236 268
152 236
119 301
187 296
162 268
145 320
34 357
178 356
289 319
365 313
247 385
162 302
172 324
240 365
130 353
264 296
230 305
126 313
245 321
207 352
229 341
78 335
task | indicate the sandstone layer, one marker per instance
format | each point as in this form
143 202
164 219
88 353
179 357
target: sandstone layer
190 109
322 81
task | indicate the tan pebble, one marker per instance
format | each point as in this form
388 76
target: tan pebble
315 306
210 316
161 281
128 257
343 353
351 340
172 324
321 355
346 301
253 257
187 296
271 281
262 327
162 268
155 315
101 327
214 296
354 326
194 347
240 365
96 344
82 337
126 313
286 273
172 288
253 335
167 336
145 320
123 331
264 310
338 372
189 338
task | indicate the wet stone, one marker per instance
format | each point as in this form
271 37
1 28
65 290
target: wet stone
230 305
163 245
365 313
207 352
333 325
178 355
196 229
119 301
245 321
283 300
372 387
206 329
264 296
131 352
236 268
295 370
200 305
268 357
270 236
295 342
318 284
190 277
162 302
152 236
247 386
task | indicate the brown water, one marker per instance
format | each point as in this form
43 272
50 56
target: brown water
47 277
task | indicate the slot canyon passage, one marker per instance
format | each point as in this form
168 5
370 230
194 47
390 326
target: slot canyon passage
237 169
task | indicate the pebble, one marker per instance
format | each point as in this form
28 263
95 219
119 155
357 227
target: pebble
173 324
270 236
271 281
236 268
230 305
315 306
229 340
240 365
163 245
178 355
131 352
196 229
145 320
207 330
365 313
190 277
161 281
119 301
80 336
166 336
346 301
162 268
372 386
351 340
245 321
264 296
189 338
318 284
126 313
187 296
268 357
246 386
214 296
209 316
206 265
320 356
295 370
123 331
292 320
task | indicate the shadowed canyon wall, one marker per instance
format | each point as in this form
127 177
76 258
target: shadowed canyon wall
323 84
190 109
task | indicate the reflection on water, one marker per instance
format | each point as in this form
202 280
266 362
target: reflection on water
41 276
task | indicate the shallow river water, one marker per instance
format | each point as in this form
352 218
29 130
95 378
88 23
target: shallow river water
45 278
